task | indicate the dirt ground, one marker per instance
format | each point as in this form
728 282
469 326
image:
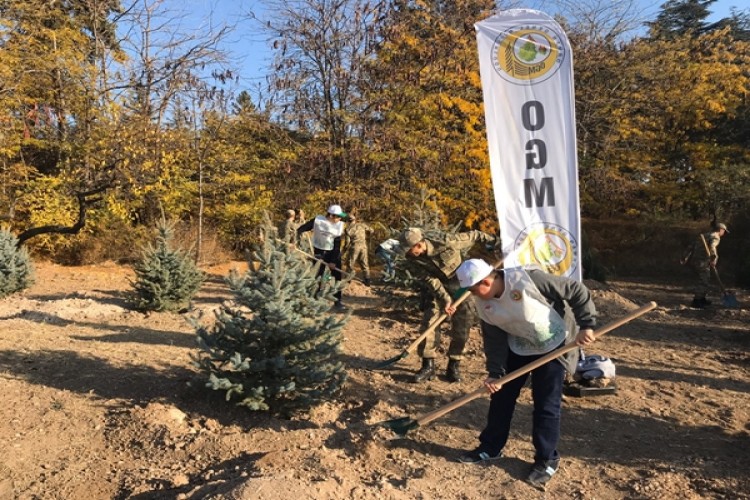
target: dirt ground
97 405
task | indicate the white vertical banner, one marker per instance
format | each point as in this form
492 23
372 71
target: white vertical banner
526 67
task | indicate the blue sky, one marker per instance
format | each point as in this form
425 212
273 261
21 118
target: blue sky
252 56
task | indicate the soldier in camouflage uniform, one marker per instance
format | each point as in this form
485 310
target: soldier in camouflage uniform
356 241
288 228
695 256
441 257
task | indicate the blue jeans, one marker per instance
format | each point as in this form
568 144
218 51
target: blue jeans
387 259
546 389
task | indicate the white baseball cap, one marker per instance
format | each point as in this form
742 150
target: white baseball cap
472 271
336 210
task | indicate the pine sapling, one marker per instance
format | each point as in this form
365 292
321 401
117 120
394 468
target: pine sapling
166 277
276 348
16 270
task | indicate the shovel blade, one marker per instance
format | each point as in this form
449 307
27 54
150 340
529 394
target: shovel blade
729 300
400 425
390 362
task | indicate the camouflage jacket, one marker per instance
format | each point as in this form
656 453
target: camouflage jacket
696 254
444 255
712 240
288 230
356 234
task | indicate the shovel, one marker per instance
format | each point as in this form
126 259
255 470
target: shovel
404 424
431 328
311 256
727 298
414 345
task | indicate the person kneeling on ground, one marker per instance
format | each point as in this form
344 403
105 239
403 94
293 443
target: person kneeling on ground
522 314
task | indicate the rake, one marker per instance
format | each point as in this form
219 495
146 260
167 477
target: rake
405 424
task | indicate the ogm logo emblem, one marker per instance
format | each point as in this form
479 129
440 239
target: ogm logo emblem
549 246
528 54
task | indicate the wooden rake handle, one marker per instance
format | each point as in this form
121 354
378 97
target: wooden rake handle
321 261
431 328
433 415
311 256
435 323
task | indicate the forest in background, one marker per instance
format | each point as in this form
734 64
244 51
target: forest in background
111 117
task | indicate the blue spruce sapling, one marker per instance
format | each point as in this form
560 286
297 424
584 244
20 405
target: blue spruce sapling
276 348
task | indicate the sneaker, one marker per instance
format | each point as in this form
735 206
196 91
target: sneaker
476 456
542 472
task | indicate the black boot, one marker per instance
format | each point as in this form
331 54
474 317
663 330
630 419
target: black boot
453 372
366 281
427 372
698 303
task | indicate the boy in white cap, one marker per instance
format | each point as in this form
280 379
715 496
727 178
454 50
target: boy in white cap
326 238
522 314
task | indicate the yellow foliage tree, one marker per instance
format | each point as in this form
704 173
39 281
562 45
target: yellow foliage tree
657 122
430 128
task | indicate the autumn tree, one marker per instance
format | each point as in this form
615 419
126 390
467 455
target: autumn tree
169 69
428 122
673 96
247 171
320 52
52 97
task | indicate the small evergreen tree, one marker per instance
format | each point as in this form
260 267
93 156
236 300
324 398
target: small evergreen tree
277 347
16 270
166 278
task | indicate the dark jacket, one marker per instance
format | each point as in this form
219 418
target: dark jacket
333 255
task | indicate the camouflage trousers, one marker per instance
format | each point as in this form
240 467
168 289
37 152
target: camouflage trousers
358 255
702 271
460 324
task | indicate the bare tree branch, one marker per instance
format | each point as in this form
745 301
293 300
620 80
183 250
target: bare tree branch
85 201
